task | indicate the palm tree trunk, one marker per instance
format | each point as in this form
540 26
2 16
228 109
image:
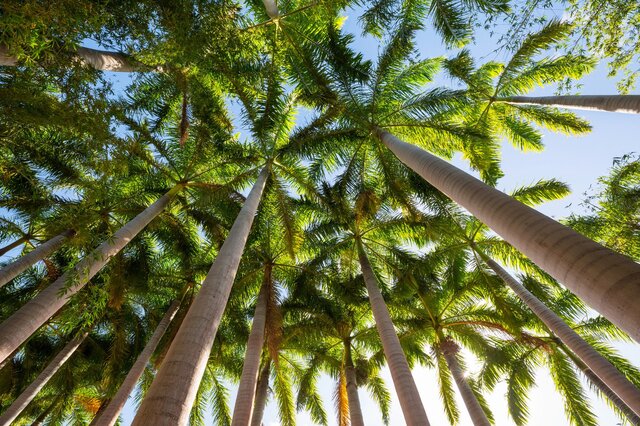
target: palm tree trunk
98 59
110 415
32 390
13 245
607 281
14 269
355 411
23 323
602 387
614 103
272 8
262 391
169 400
610 375
412 408
247 388
449 349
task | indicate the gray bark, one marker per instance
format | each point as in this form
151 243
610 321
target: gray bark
607 281
169 400
629 104
43 251
262 392
22 324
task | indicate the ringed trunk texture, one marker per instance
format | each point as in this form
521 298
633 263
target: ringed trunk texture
412 408
355 410
43 251
171 395
110 415
262 392
243 407
613 103
609 374
602 387
607 281
477 414
32 390
98 59
13 245
22 324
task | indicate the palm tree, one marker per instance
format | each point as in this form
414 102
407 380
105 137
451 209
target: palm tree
629 104
30 392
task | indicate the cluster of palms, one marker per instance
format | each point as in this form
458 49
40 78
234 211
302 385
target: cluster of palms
159 251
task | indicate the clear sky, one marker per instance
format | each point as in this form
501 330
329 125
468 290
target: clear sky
578 161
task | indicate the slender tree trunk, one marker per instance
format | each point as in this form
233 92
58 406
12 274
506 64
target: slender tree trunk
169 400
449 349
22 324
412 408
613 103
602 387
355 411
262 392
247 388
32 390
609 374
110 415
98 59
607 281
272 8
14 269
13 245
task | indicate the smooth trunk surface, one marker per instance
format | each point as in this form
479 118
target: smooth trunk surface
271 8
22 324
13 245
607 281
262 392
32 390
355 410
609 374
109 416
612 103
169 400
23 263
248 381
412 408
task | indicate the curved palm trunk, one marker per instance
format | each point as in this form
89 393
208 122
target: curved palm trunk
243 407
607 281
610 375
449 349
602 387
613 103
14 269
355 411
32 390
110 415
412 408
13 245
98 59
169 400
23 323
262 392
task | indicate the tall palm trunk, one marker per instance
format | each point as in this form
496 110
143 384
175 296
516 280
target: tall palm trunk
272 8
173 391
602 387
607 281
412 408
23 323
609 374
13 245
355 411
98 59
14 269
247 388
449 350
262 392
110 415
32 390
613 103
